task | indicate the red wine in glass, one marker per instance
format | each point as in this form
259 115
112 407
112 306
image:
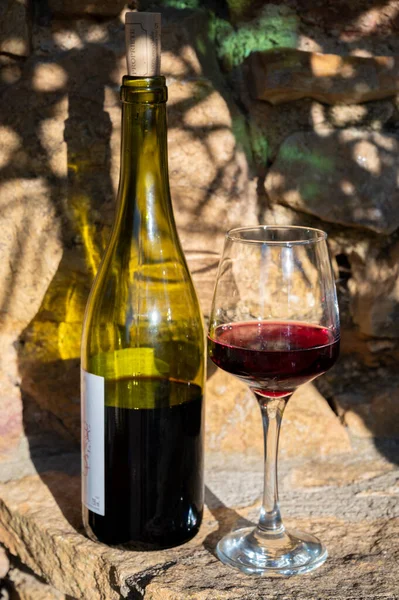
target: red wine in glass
274 357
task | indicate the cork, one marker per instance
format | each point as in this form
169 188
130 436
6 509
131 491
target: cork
143 43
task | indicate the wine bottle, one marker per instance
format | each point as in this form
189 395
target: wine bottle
143 340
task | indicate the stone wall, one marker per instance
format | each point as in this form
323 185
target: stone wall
279 113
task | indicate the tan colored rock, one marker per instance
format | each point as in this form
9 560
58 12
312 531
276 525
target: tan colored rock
209 173
10 70
73 8
213 187
11 413
233 421
310 428
333 23
14 31
40 522
90 35
374 414
29 222
29 587
234 424
180 58
357 169
203 266
270 125
4 563
356 422
283 75
333 473
49 77
373 115
374 288
351 23
347 569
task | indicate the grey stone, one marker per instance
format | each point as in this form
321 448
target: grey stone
373 115
286 74
14 32
26 586
4 563
374 290
10 70
357 517
102 8
347 177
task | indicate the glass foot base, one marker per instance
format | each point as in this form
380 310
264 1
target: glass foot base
278 554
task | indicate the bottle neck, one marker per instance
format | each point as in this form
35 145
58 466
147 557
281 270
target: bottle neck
144 180
144 143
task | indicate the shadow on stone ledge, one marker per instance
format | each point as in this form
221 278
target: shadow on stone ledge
227 518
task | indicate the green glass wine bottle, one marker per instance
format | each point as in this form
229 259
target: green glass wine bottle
143 353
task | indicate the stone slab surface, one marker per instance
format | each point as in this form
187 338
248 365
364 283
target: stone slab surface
355 511
23 585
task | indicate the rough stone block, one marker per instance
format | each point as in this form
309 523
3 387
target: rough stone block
283 75
346 177
374 288
14 31
25 586
4 563
234 423
369 415
73 8
10 70
357 520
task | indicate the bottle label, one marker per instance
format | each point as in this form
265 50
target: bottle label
93 442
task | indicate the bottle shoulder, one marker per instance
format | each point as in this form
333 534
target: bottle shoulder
135 305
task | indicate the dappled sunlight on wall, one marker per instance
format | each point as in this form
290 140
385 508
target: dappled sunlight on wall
234 160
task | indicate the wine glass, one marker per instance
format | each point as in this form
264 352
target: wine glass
275 325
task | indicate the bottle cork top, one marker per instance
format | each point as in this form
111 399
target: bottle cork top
143 43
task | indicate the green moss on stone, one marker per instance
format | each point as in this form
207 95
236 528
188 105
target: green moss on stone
240 132
310 190
260 145
320 163
200 44
275 27
181 4
238 8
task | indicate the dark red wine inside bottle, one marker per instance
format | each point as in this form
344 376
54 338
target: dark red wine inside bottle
153 494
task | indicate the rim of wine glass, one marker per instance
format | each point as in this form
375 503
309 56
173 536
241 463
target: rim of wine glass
320 235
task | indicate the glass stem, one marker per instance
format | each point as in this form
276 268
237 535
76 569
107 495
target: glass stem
272 412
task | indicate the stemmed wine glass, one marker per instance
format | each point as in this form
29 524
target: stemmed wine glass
275 325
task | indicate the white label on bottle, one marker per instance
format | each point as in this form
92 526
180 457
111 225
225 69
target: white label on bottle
93 442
